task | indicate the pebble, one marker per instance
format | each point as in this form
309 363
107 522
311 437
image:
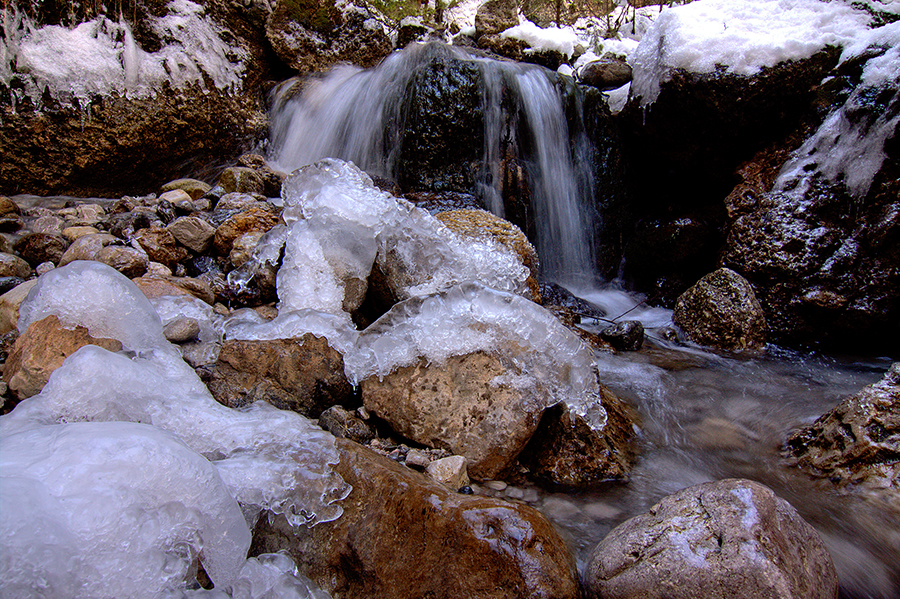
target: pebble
450 471
515 493
416 458
181 330
495 485
44 267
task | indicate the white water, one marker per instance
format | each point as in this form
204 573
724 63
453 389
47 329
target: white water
357 115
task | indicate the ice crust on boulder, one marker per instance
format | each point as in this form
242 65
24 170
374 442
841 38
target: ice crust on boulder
262 457
742 37
543 354
112 509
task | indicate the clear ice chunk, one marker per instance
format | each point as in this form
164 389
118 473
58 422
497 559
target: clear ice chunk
112 509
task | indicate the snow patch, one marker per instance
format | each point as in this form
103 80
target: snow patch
560 39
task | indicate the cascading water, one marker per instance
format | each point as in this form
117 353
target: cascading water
364 116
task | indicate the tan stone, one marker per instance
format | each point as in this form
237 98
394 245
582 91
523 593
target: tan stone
458 406
9 305
7 206
252 219
125 259
41 349
192 232
13 266
403 535
87 247
154 286
193 187
450 472
75 233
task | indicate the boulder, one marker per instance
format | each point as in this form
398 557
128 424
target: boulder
9 305
483 225
458 406
314 35
125 259
241 179
721 310
41 349
403 535
731 538
857 442
36 248
161 246
609 72
192 232
305 375
627 335
13 266
565 451
194 188
246 221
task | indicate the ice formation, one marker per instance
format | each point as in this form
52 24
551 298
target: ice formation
742 37
101 57
472 318
849 145
262 457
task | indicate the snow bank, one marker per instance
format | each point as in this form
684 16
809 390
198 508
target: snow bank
262 457
101 57
560 39
742 37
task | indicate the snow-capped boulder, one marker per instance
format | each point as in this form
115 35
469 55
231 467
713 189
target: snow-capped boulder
731 538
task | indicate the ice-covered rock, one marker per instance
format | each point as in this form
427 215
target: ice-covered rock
112 509
473 318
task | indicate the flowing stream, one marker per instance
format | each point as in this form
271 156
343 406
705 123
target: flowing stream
704 416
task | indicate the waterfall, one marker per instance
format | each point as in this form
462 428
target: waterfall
366 116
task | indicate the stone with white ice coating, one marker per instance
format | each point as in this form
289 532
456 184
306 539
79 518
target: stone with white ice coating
112 509
730 538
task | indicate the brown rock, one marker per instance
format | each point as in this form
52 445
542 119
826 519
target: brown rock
36 248
566 451
482 225
158 286
731 538
193 187
9 305
456 407
13 266
304 375
161 246
606 74
857 442
7 206
252 219
342 423
74 233
125 259
41 349
87 247
496 16
241 179
192 232
402 535
721 310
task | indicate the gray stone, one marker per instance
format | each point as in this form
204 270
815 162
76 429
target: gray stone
192 232
627 335
450 471
181 330
721 310
606 73
719 540
343 424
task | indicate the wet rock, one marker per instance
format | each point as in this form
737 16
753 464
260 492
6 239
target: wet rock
450 471
7 206
124 224
74 233
315 35
565 451
241 179
154 286
9 283
731 538
50 224
411 29
252 219
403 535
192 232
161 246
41 247
459 407
305 375
721 310
271 178
181 330
627 335
127 260
41 349
481 224
10 223
342 423
9 305
243 247
88 215
857 442
13 266
193 187
496 16
606 73
87 247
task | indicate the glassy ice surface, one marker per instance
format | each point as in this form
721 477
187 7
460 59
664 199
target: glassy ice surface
146 405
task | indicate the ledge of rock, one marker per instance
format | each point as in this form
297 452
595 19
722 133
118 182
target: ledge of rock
402 535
